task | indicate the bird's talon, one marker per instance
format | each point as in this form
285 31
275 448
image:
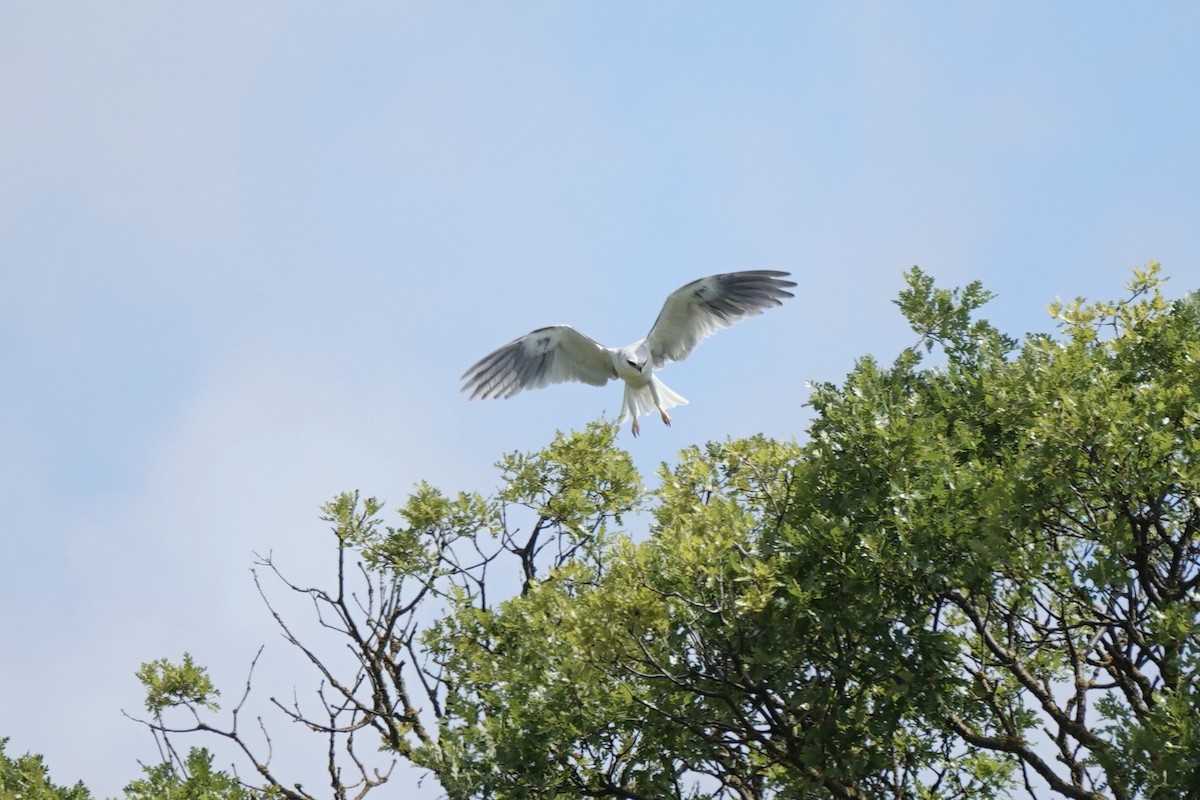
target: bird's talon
666 419
636 428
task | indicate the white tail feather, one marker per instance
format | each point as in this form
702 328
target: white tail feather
639 401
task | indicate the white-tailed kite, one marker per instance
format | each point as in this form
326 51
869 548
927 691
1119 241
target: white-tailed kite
691 314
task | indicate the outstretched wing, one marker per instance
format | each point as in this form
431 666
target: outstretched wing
701 308
548 355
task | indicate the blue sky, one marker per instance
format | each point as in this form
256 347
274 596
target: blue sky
247 250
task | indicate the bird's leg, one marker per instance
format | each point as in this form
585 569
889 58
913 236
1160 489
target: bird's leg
636 428
666 418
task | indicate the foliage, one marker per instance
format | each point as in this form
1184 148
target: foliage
194 780
27 778
976 577
168 685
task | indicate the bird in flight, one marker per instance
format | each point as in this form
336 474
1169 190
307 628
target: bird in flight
691 314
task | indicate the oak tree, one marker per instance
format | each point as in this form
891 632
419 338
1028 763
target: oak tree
978 576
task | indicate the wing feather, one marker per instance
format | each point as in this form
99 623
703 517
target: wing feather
696 311
555 354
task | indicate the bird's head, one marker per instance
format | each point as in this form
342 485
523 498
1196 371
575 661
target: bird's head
631 360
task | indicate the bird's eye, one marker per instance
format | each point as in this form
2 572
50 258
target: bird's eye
631 363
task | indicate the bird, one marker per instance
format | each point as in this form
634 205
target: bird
691 313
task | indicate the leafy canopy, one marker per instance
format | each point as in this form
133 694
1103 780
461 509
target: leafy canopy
979 576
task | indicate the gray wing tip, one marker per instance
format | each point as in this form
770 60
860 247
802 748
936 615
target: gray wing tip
492 375
768 277
760 288
508 370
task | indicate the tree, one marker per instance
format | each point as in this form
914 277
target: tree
197 780
389 583
979 576
27 778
